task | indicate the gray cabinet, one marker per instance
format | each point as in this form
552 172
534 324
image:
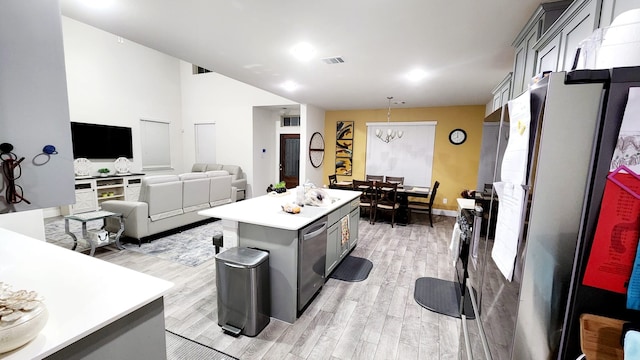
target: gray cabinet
501 93
548 56
337 249
354 220
577 29
556 48
525 62
332 248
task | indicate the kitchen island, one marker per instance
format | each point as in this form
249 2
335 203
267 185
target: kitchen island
262 224
97 310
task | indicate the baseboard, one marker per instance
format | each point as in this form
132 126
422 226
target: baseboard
451 213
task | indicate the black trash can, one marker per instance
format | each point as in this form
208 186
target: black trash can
244 296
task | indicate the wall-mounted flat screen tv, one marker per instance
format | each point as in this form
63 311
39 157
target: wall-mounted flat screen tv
93 141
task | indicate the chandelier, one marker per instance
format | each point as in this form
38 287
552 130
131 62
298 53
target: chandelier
390 134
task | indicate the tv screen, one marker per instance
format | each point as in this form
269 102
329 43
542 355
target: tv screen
93 141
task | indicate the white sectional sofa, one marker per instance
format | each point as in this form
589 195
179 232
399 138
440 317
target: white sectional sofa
238 178
167 202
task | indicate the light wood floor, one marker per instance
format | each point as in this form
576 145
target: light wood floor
373 319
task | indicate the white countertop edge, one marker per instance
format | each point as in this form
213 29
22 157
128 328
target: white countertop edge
82 294
98 326
265 210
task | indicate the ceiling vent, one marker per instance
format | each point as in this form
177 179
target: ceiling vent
199 69
333 60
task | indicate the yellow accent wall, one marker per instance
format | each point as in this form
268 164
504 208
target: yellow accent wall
455 166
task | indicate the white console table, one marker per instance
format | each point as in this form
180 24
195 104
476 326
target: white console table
92 191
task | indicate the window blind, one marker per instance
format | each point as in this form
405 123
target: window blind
155 142
410 156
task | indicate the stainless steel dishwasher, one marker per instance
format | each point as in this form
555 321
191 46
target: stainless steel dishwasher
312 251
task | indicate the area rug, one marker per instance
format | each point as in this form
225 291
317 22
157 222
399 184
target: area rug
352 268
190 247
182 348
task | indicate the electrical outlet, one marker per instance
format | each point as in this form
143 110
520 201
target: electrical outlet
444 201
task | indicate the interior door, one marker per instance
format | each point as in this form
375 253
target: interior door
205 135
290 159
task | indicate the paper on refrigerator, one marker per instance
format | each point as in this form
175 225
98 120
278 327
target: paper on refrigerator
508 225
510 192
627 150
514 162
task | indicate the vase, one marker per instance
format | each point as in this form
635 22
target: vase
19 332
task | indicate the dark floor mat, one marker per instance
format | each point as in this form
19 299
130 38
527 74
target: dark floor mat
183 348
442 296
352 269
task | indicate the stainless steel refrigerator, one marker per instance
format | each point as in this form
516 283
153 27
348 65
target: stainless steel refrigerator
575 118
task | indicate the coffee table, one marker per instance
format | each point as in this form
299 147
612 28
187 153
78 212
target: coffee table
90 216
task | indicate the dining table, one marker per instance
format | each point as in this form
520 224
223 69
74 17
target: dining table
404 192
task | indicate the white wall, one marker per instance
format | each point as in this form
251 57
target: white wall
118 82
212 97
312 120
264 123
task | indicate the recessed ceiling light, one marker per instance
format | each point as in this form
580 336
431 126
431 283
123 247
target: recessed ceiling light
416 75
289 85
303 51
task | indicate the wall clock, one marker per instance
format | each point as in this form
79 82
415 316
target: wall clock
457 136
316 149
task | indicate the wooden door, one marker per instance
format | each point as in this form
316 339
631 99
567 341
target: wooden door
290 159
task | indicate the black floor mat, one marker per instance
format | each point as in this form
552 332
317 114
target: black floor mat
442 296
352 269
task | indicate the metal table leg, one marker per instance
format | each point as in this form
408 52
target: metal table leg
85 235
73 236
119 233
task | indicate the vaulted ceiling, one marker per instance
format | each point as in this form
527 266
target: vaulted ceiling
463 47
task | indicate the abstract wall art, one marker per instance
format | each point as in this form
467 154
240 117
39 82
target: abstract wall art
344 147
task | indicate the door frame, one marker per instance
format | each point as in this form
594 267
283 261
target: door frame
291 182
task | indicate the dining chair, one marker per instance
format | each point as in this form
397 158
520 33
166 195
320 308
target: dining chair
367 198
387 199
424 207
375 178
333 179
395 179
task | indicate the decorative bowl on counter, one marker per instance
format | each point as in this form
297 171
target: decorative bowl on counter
22 317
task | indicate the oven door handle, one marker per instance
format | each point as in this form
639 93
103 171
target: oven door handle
313 232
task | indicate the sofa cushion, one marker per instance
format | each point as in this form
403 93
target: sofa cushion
154 179
195 191
199 167
234 170
214 167
163 193
216 173
220 190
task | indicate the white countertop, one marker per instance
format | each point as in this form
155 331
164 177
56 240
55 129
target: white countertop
81 293
266 210
466 203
